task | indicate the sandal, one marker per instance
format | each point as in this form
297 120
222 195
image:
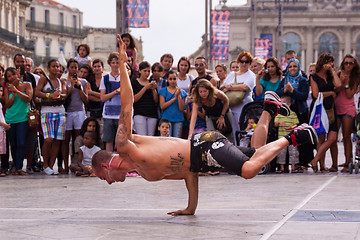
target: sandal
295 170
2 174
214 173
324 170
20 173
345 169
333 169
342 165
279 171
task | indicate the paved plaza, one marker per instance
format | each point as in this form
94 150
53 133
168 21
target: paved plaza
272 206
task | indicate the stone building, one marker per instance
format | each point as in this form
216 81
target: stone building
102 42
12 30
310 27
54 28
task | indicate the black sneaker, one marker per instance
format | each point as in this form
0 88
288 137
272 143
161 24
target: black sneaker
271 97
302 134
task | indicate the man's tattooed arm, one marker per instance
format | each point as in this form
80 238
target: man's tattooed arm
124 130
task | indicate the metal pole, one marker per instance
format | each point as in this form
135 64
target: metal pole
120 16
206 30
253 27
210 35
279 30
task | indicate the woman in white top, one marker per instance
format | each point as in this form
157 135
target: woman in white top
243 80
52 117
184 79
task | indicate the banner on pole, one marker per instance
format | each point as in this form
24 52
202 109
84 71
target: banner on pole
137 14
220 25
263 46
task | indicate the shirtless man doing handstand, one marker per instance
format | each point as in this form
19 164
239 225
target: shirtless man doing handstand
157 158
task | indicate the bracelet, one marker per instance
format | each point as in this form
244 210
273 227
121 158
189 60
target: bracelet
223 115
47 95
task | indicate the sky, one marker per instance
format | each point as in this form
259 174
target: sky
176 26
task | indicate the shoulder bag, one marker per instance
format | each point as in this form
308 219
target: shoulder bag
235 97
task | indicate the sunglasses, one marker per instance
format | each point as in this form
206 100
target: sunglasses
241 61
199 64
349 63
38 73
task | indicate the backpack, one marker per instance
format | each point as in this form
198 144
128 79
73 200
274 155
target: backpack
107 84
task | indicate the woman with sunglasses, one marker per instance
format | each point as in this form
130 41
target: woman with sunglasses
345 109
243 80
40 72
326 81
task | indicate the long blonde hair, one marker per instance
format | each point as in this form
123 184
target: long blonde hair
207 85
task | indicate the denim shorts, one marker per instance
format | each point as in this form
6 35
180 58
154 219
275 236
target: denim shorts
110 129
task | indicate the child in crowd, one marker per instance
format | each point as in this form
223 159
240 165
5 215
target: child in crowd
86 153
90 124
110 96
164 127
285 125
130 49
83 51
157 70
200 125
3 127
245 139
172 103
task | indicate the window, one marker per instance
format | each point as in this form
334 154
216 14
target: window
32 14
7 19
13 22
47 49
292 42
358 47
74 22
329 43
61 19
47 20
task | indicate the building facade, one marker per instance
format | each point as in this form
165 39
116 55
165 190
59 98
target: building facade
12 30
310 27
102 42
54 28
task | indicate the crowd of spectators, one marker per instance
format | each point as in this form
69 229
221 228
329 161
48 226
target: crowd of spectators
79 106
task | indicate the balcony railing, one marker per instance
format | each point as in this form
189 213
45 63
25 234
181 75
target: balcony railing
56 28
14 39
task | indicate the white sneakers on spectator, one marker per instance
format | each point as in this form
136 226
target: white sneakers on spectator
49 171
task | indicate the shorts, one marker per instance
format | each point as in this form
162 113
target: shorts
53 125
212 150
110 129
74 120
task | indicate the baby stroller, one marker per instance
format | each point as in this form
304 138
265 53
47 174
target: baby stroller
254 109
354 165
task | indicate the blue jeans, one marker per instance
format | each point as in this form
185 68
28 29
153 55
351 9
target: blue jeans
176 129
17 138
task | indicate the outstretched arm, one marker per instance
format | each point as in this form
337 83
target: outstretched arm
124 132
192 185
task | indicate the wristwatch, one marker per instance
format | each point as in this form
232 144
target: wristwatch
347 86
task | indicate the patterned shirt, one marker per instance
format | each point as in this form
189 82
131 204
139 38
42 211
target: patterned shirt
289 121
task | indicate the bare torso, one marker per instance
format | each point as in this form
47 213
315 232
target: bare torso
156 158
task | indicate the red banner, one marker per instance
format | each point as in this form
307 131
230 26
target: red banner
137 14
220 25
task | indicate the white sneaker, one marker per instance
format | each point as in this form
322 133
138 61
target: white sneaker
55 172
48 171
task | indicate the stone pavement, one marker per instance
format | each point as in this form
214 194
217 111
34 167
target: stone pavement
277 207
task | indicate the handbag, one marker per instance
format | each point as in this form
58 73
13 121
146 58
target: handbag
226 129
49 101
318 118
235 97
33 117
